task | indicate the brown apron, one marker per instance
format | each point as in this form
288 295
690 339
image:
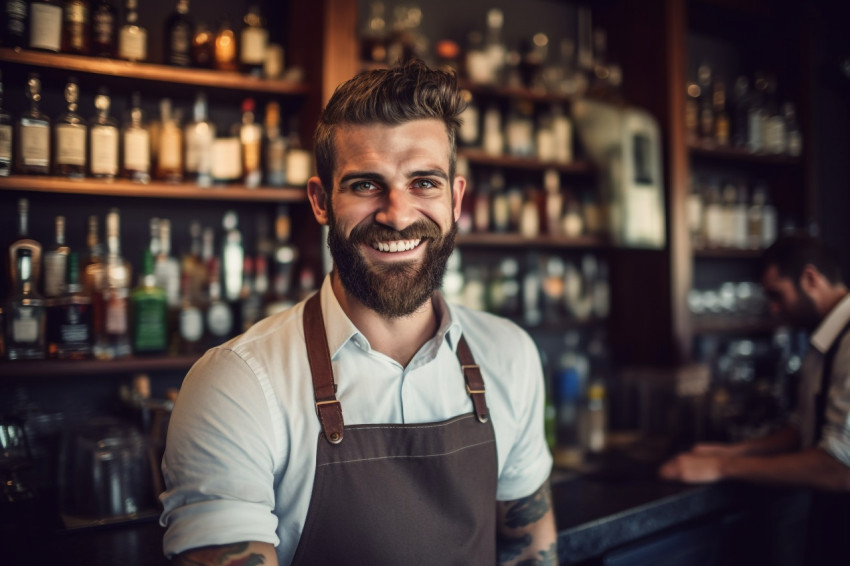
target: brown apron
398 493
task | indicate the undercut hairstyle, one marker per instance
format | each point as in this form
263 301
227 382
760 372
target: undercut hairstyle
791 255
411 91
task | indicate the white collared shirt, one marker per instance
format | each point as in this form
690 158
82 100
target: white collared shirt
241 451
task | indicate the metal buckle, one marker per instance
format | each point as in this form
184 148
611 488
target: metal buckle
473 391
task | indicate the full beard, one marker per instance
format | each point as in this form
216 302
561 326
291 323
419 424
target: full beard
393 289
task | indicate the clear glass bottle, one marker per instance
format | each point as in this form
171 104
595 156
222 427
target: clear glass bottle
76 34
253 40
190 319
136 146
70 132
24 240
46 25
283 260
299 161
224 47
179 34
169 163
103 139
69 318
25 313
55 262
6 136
199 135
103 23
469 133
219 316
149 312
250 137
232 256
113 339
132 38
275 147
33 151
166 266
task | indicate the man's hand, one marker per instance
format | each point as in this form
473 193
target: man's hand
694 467
526 530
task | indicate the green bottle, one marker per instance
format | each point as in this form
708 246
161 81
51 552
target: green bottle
149 312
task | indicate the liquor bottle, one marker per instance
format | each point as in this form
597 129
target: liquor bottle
706 105
14 31
25 312
224 47
192 268
103 24
226 165
519 129
190 319
692 92
132 38
69 135
469 132
103 139
149 312
299 161
740 101
722 127
33 151
494 45
203 46
169 163
93 269
199 135
219 316
793 135
55 262
24 240
756 114
232 257
166 266
283 262
494 139
253 40
562 129
46 25
69 317
136 146
250 137
275 147
6 136
179 34
250 300
76 34
113 338
773 132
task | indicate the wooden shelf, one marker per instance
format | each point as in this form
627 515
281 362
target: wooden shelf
125 188
221 80
492 239
72 368
737 154
479 157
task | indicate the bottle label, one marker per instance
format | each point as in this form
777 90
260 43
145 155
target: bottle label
253 44
226 159
76 17
25 326
150 325
70 145
35 144
137 150
45 26
16 15
181 45
5 142
219 319
199 139
54 273
104 150
170 154
116 312
75 326
133 43
299 165
191 324
103 24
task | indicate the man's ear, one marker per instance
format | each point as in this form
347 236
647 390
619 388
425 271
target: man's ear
318 200
458 188
810 279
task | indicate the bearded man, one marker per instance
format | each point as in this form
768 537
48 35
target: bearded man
373 423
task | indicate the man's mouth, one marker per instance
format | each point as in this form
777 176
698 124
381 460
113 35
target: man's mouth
396 245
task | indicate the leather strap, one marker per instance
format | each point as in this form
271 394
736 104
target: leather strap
327 406
474 380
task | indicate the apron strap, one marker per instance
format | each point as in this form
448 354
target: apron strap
826 382
318 354
474 380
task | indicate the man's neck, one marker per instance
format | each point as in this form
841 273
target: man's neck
398 338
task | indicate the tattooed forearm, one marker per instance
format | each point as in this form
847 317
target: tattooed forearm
526 532
529 509
510 548
548 557
226 555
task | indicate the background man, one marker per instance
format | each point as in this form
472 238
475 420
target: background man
373 423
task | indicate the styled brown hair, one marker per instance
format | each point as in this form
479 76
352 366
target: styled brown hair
411 91
792 253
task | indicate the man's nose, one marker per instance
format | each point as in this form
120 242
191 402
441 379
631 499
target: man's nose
397 210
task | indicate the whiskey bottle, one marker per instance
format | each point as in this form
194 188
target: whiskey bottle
232 257
113 338
103 139
149 312
275 147
76 34
253 40
722 127
93 276
192 269
55 262
219 316
706 110
33 152
203 46
166 266
132 38
24 312
24 240
15 23
224 47
136 162
199 135
70 137
69 318
250 137
179 33
46 25
169 164
190 319
103 23
6 136
299 161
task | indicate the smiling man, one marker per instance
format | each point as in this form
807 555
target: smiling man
372 423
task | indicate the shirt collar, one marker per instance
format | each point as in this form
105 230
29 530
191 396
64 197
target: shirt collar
829 328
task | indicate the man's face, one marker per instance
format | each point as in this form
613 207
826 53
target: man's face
788 301
392 213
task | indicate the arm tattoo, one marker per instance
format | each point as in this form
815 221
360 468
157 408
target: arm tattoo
510 548
227 555
548 557
529 509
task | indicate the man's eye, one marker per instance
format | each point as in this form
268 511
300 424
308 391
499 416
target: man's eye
363 186
425 184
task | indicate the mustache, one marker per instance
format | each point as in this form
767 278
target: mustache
371 232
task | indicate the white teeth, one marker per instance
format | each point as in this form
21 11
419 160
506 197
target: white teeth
397 245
